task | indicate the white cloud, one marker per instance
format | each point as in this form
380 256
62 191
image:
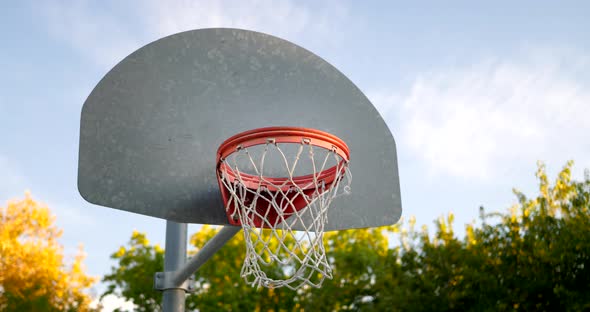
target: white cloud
279 16
111 302
107 35
470 120
94 32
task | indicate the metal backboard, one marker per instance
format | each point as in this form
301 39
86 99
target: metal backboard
151 127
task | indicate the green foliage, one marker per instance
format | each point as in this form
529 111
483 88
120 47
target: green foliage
536 256
133 277
220 287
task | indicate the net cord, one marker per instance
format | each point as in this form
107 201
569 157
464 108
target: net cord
300 255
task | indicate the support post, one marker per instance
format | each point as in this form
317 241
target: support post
175 280
173 299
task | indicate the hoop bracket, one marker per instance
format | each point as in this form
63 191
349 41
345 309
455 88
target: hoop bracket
165 280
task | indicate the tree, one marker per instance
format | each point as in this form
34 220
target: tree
535 256
358 259
133 277
220 287
33 275
219 284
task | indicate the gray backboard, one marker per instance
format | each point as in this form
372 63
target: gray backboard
151 127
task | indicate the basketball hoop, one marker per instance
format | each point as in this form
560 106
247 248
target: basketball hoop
269 206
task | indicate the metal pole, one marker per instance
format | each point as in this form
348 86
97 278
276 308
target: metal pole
174 258
210 248
173 281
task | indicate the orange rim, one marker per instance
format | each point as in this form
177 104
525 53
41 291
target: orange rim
283 135
295 135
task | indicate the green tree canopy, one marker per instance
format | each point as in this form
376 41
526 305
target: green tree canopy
535 256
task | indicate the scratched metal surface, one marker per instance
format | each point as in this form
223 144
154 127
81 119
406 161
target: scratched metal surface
151 127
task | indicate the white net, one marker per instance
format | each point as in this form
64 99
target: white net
270 208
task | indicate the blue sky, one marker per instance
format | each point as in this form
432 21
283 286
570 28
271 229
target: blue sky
474 93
